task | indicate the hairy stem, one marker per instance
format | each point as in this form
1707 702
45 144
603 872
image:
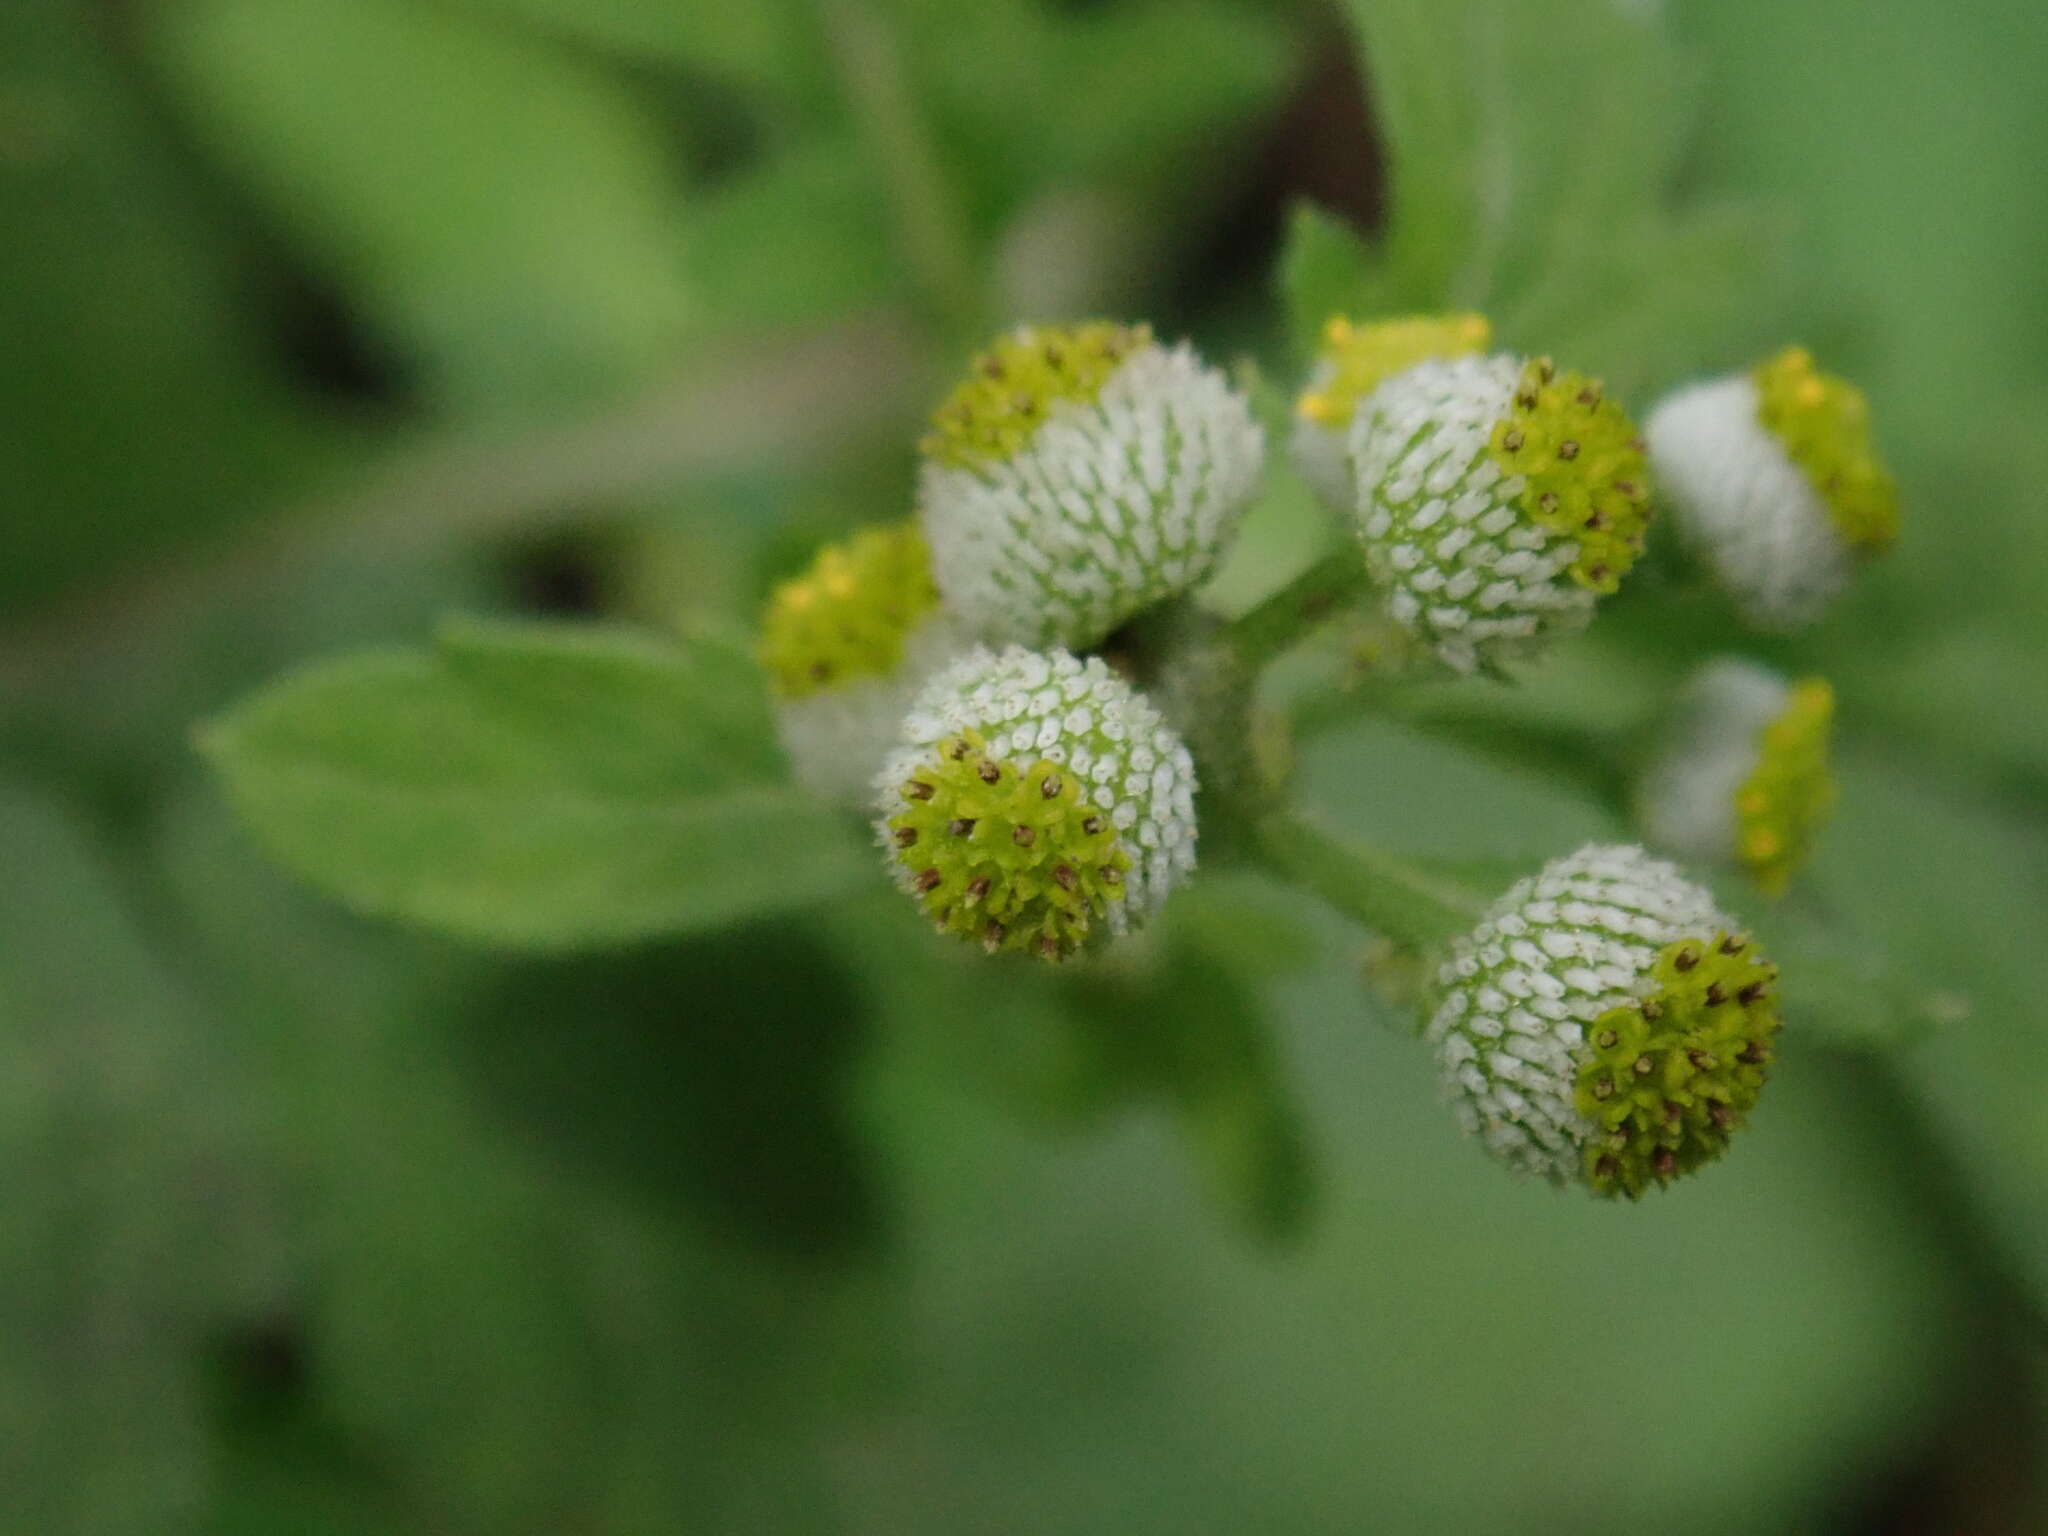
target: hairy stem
1403 901
1298 608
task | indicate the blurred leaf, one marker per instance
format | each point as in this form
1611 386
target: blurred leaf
140 405
124 1214
544 786
500 209
802 238
760 44
1533 145
1325 269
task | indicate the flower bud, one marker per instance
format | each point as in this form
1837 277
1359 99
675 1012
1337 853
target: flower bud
1604 1025
1772 478
1080 475
845 646
1741 777
1354 361
1496 500
1037 803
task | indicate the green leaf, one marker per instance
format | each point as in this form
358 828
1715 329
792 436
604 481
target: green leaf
1325 269
119 1216
501 210
540 786
762 44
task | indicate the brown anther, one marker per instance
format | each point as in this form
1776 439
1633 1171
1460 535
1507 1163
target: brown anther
1749 994
1665 1162
1048 947
1546 370
1686 958
992 936
956 749
1023 837
1596 521
1606 1039
1733 944
1547 501
916 789
1628 488
928 880
976 889
820 671
1716 994
1066 877
1111 875
961 826
1512 442
1526 400
1051 785
989 773
1753 1053
1720 1114
1596 573
1054 357
1590 395
992 368
1638 445
1604 1089
1706 1061
1568 450
1671 1113
1643 1066
1606 1167
906 837
1092 825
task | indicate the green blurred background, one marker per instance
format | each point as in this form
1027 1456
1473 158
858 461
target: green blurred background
322 318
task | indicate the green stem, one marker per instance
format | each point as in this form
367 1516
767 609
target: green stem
1304 603
1408 903
932 228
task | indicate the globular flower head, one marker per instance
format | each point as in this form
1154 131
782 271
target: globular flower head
1354 361
1741 776
1079 475
1772 477
1604 1025
845 646
1497 499
1037 803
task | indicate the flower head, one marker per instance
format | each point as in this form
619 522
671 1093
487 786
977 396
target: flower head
1742 774
1354 361
1079 475
1037 803
845 645
1773 478
1496 500
1605 1024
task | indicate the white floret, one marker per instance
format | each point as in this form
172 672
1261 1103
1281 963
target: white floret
1686 799
1026 705
1742 503
835 739
1462 568
1113 505
1515 997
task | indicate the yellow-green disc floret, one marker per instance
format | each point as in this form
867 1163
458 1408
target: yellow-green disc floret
1010 387
1782 803
1668 1077
1824 423
1011 856
849 614
1356 359
1583 465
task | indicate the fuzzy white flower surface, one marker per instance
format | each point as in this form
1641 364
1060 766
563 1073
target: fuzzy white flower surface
1772 480
1081 475
1605 1024
1354 360
1741 775
1037 802
846 646
1496 499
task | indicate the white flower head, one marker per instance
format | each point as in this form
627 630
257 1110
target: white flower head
1741 775
1036 803
1496 499
1605 1024
846 646
1080 475
1772 479
1355 359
